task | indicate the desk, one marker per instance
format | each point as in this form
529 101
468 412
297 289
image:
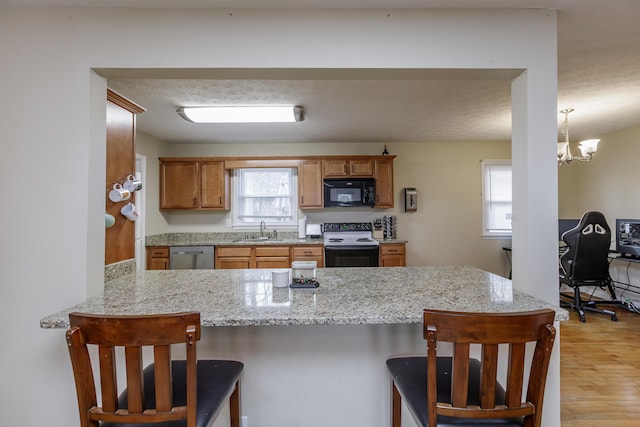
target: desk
562 248
625 275
507 252
313 357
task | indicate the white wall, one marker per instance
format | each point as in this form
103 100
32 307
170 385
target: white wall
52 141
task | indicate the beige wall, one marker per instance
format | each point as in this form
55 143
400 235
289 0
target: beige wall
609 183
446 229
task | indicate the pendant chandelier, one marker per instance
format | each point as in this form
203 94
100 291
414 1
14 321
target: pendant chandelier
588 147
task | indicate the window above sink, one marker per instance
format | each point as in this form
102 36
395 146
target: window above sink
265 194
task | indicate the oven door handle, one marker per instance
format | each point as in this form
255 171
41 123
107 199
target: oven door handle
351 248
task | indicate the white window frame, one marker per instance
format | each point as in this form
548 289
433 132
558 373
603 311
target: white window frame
489 204
239 223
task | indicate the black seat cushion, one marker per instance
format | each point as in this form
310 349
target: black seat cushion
410 377
216 379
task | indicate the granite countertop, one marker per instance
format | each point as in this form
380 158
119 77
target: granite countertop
235 238
366 295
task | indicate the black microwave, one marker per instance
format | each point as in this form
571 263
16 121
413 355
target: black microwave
342 192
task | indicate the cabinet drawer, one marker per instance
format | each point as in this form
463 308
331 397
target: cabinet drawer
272 262
272 251
307 251
233 252
392 249
159 252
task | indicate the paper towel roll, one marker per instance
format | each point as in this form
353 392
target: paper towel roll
280 278
302 228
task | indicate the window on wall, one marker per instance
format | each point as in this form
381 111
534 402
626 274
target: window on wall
496 198
265 194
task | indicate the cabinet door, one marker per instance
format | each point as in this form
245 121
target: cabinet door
383 173
361 168
335 168
214 181
392 261
158 264
179 185
310 184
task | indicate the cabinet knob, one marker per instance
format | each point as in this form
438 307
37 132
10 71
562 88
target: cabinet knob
195 201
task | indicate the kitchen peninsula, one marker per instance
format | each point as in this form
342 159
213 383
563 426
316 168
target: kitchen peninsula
313 357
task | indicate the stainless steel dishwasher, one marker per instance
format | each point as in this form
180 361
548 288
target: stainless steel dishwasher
191 257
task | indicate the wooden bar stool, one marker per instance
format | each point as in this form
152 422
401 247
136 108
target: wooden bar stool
186 393
463 391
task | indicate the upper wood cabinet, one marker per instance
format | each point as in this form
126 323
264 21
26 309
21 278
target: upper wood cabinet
310 184
193 184
383 173
202 183
215 184
336 168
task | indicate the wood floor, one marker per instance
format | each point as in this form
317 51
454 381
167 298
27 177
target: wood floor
600 370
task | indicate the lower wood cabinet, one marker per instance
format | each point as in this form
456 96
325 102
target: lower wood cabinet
157 258
272 257
392 255
233 257
236 256
267 256
229 257
308 253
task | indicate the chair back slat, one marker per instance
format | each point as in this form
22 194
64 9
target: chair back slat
460 381
488 379
135 386
515 374
162 372
133 333
489 331
108 378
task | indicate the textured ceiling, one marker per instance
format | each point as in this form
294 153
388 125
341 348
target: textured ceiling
598 76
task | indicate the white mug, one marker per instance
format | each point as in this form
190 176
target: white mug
132 183
119 194
130 211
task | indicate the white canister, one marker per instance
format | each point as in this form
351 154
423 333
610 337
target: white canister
280 278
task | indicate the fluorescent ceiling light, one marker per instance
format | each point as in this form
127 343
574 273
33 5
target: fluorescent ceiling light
243 114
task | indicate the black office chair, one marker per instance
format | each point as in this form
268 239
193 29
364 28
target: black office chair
586 264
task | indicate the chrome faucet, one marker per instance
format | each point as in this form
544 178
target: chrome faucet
263 226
